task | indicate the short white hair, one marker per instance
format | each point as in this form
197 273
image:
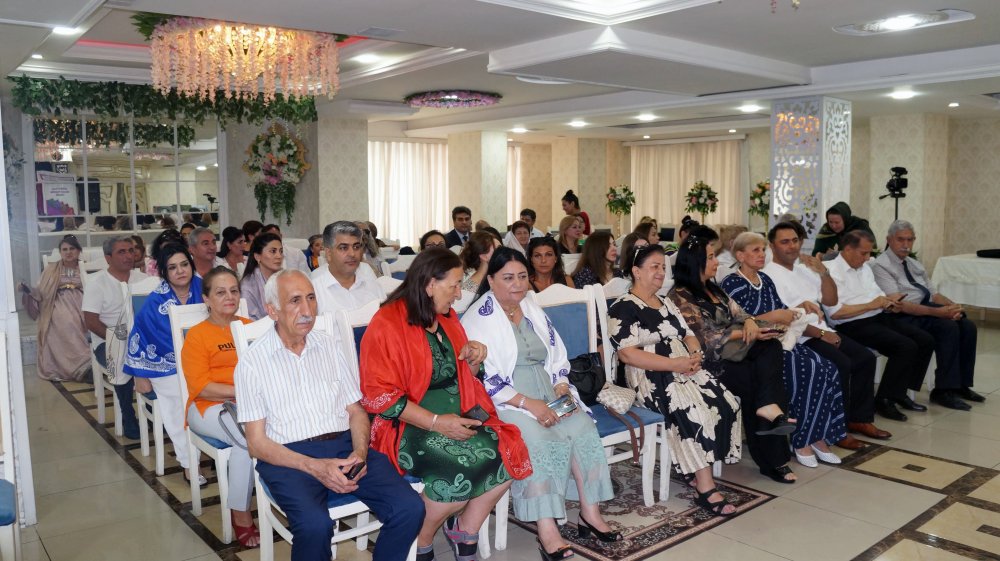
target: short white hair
899 226
271 286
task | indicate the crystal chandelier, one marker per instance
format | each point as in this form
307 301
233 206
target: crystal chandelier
200 56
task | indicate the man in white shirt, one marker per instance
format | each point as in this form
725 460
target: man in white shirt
346 283
923 306
867 315
294 258
201 243
804 282
102 308
299 403
529 216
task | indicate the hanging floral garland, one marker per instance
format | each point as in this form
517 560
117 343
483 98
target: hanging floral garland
276 164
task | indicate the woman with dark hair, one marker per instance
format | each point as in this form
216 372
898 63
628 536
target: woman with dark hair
314 251
63 351
546 267
815 396
251 229
166 237
209 360
569 235
150 358
687 224
747 360
416 377
186 229
526 370
662 359
267 257
139 258
571 206
839 221
231 253
475 258
597 264
434 238
630 243
648 232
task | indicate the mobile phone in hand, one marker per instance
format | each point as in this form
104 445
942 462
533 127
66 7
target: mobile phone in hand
355 470
477 413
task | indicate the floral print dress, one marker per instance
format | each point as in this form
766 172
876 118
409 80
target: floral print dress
702 416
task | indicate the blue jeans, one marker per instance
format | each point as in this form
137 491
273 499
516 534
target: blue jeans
382 489
126 395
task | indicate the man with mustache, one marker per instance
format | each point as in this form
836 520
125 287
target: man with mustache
347 283
299 404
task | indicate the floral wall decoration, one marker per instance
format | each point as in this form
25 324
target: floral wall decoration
701 199
276 163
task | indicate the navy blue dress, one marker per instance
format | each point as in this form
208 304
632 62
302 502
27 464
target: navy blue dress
812 382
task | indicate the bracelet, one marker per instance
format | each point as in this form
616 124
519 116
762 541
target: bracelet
822 333
433 420
521 404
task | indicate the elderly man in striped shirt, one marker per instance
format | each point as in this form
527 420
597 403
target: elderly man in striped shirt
299 403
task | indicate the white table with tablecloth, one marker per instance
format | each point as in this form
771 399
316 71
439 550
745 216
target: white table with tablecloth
969 280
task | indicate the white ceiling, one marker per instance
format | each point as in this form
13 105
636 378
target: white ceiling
676 59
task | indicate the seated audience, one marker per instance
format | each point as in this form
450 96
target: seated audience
201 244
251 229
416 376
865 314
481 225
597 263
648 231
745 359
651 220
370 252
525 371
209 358
812 382
702 416
139 259
839 221
294 258
461 218
570 235
150 358
314 252
187 228
165 238
630 243
230 253
168 223
475 258
727 262
571 206
518 237
898 272
804 282
347 282
493 232
266 258
528 216
434 238
687 225
299 404
546 265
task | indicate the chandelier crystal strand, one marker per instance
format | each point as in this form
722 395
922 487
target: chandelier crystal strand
199 57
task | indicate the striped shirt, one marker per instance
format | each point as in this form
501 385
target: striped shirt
298 396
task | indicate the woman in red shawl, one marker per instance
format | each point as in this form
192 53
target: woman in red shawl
416 380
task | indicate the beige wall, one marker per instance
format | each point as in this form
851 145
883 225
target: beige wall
861 178
341 166
973 186
536 181
477 175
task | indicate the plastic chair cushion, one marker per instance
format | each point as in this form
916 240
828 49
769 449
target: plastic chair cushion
8 503
213 442
334 500
399 275
608 425
570 321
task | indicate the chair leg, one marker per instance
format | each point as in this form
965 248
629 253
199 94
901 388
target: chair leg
143 416
484 539
192 474
661 441
648 463
158 437
264 525
117 406
222 474
412 555
99 398
364 519
717 469
502 513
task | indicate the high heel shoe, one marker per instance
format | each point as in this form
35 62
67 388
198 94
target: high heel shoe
808 461
248 536
564 552
584 529
828 457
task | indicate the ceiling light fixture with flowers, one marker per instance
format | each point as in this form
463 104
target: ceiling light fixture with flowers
448 99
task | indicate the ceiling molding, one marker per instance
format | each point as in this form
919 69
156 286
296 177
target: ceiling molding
602 13
84 72
716 138
115 52
420 60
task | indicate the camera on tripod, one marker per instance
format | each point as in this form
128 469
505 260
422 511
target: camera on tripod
897 183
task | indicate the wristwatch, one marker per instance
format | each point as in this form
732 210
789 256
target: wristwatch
822 333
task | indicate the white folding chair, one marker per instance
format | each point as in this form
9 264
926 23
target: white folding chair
570 261
569 309
464 302
456 249
10 529
388 283
400 265
183 318
340 506
148 407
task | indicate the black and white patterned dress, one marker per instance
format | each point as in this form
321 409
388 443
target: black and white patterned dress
702 416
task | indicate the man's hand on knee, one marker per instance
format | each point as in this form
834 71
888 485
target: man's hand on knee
332 474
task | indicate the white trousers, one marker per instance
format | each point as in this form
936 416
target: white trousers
168 395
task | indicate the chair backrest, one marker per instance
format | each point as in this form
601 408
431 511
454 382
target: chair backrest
615 288
297 243
464 302
244 334
141 290
388 283
573 312
352 325
570 261
93 266
601 228
456 249
397 269
182 319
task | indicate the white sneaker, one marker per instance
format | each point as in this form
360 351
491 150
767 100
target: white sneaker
828 457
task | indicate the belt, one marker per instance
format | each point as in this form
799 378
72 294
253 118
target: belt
327 436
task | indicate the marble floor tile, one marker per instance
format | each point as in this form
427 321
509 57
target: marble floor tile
710 545
971 423
50 446
989 491
942 443
967 525
160 537
902 466
747 473
99 505
34 551
909 550
77 472
29 534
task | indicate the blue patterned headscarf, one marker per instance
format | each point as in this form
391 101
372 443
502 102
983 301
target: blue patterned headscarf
150 346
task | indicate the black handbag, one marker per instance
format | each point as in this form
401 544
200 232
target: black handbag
587 375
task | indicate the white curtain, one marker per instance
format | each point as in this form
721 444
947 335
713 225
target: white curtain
663 174
513 186
408 188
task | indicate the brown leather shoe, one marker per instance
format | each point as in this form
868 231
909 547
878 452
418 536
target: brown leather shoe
869 430
851 443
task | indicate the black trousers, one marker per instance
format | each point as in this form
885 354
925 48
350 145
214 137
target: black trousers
757 380
907 347
856 365
954 347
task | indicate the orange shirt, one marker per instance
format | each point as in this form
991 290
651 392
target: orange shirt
209 355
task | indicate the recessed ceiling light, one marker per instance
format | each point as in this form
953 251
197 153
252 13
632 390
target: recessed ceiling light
367 58
215 165
731 131
542 81
902 94
953 104
510 140
577 123
201 168
518 130
60 30
37 56
750 108
903 22
646 117
645 137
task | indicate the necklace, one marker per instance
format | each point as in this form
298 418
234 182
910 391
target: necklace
510 313
756 285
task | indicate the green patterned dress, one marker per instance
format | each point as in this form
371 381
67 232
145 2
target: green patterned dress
452 470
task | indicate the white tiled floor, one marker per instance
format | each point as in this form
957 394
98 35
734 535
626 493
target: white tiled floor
92 505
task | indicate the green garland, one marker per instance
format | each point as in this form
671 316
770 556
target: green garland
104 134
35 96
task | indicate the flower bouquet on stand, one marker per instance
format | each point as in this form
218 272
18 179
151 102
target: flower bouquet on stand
760 202
621 199
701 199
276 164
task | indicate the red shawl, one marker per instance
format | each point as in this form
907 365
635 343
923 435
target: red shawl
396 361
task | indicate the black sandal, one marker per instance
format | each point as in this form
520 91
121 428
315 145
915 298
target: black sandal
688 479
715 508
779 474
564 552
780 426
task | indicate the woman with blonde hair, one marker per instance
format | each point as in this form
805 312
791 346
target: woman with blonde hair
570 234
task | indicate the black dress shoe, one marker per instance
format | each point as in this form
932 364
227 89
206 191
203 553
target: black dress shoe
949 399
968 394
888 410
910 405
